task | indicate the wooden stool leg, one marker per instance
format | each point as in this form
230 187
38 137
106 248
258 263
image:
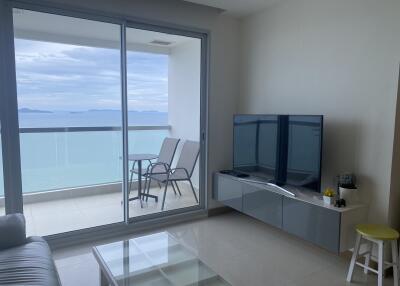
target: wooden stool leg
380 263
395 261
368 257
354 258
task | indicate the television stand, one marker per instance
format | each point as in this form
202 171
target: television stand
303 214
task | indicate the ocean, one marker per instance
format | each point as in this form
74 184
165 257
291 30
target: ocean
58 160
30 118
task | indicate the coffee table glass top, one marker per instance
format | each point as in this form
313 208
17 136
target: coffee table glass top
156 259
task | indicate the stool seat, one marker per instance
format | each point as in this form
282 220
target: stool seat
377 231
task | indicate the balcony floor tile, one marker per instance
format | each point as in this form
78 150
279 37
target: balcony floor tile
57 216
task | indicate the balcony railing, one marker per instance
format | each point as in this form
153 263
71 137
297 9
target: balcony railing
91 129
69 157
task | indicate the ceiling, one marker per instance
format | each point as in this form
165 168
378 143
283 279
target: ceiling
39 26
238 8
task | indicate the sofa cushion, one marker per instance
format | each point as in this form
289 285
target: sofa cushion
28 264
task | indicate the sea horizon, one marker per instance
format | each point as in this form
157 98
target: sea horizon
35 118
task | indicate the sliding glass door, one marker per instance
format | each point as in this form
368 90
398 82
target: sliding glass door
163 90
69 106
111 120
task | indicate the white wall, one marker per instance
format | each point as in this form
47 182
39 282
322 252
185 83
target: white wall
184 95
337 58
223 73
224 91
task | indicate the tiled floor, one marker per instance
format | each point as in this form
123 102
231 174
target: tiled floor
59 216
242 250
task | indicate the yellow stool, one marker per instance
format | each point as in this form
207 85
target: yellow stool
379 234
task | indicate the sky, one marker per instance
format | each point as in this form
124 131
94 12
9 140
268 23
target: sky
60 77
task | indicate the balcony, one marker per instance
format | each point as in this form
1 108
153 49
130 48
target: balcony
72 177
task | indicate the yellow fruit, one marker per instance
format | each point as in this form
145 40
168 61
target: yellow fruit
329 192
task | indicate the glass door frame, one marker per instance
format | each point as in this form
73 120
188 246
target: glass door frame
203 37
9 114
9 106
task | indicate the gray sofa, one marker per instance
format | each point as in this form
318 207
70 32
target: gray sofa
24 261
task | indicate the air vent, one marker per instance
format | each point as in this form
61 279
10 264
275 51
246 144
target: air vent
161 43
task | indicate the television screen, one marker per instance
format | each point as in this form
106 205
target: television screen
283 149
255 143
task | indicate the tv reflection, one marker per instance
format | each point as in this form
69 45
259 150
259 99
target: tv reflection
282 149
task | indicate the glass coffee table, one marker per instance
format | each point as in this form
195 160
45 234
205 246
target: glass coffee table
156 260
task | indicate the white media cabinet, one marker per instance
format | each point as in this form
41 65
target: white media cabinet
304 215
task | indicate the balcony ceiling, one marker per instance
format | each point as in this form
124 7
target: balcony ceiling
238 8
60 29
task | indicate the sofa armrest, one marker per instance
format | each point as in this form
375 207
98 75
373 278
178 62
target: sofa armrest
12 229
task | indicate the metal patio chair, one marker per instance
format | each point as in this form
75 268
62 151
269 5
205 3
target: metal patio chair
182 172
164 160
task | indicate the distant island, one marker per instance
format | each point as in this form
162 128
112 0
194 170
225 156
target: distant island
104 110
116 110
36 118
28 110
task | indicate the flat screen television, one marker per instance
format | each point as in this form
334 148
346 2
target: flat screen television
282 149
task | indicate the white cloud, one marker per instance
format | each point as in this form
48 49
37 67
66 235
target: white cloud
59 76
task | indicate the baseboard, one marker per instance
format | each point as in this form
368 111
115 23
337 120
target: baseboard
219 211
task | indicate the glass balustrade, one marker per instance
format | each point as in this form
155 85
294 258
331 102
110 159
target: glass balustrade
63 160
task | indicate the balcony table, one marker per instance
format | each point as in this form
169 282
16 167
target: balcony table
139 158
